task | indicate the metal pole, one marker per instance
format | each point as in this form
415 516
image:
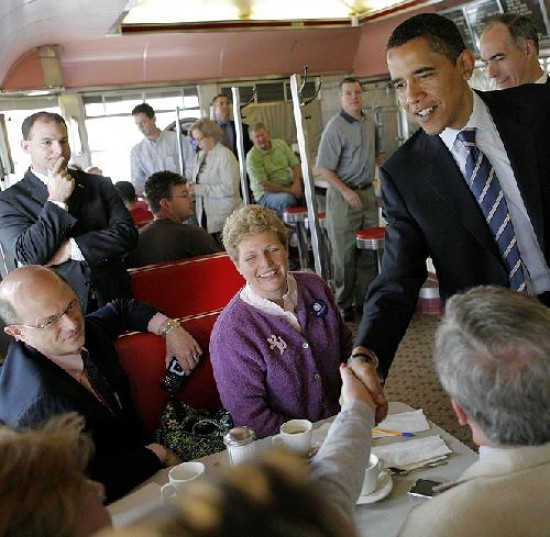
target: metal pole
180 142
240 143
309 185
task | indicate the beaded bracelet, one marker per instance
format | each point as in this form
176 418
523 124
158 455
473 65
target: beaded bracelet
167 326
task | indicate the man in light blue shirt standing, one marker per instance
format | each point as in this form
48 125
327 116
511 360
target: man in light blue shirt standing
157 152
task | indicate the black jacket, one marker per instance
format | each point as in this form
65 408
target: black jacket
33 389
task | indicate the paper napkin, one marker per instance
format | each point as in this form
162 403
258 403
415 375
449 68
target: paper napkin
413 453
411 422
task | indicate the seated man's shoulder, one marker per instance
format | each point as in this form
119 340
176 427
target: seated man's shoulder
28 397
480 506
279 143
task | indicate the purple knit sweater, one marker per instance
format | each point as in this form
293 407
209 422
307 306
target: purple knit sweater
268 373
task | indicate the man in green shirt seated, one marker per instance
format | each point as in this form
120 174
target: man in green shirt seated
274 171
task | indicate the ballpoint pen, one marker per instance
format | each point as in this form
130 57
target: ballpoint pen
392 433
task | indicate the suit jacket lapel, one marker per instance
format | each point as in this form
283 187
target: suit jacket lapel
443 177
35 188
519 145
77 197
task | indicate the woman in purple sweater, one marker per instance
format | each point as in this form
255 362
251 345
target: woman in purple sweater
277 346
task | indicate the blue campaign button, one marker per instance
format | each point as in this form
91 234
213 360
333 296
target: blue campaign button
319 308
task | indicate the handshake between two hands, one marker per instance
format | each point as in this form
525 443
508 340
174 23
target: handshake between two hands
360 381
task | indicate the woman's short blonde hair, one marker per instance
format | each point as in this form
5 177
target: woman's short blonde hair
251 220
42 479
208 128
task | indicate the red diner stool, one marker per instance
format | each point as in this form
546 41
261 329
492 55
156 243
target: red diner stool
372 238
296 217
321 218
429 301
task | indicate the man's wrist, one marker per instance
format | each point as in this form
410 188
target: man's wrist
365 355
60 204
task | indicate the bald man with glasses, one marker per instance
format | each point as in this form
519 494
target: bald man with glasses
61 361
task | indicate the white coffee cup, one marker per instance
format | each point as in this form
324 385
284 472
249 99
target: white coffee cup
181 476
373 474
296 436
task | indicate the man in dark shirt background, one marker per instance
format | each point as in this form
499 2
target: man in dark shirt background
167 238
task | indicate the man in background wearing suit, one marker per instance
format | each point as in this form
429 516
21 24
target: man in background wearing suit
429 182
509 48
492 355
67 219
221 105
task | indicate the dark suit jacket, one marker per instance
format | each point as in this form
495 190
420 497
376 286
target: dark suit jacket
431 212
33 389
32 230
247 143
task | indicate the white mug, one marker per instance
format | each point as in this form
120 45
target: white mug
373 474
296 436
180 476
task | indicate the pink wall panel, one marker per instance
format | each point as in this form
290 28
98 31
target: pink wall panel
25 74
203 56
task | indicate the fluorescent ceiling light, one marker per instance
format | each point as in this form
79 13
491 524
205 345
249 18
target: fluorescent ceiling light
193 12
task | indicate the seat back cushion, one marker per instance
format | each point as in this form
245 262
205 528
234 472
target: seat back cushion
188 287
142 355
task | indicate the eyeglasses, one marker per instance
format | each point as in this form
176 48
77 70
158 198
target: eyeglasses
54 319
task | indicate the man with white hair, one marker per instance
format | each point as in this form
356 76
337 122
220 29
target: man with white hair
492 355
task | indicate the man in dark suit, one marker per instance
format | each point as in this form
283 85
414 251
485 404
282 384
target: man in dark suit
221 106
509 48
63 362
429 207
66 218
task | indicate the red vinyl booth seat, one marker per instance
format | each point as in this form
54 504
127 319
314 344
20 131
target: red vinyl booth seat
188 287
142 357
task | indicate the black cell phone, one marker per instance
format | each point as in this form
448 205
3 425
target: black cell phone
174 378
424 488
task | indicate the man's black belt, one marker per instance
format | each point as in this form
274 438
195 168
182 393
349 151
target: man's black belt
361 188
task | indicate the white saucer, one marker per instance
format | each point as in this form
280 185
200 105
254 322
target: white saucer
383 488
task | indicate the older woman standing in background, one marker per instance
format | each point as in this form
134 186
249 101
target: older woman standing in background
277 346
215 178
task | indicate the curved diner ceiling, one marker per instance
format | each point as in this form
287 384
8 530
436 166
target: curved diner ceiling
82 39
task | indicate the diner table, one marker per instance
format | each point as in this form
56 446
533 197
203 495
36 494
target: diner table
381 519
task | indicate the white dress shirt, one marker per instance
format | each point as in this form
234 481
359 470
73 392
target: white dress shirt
489 142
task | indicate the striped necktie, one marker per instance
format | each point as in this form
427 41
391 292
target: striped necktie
484 184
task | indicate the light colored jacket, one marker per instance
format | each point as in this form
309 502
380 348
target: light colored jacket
217 189
505 494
